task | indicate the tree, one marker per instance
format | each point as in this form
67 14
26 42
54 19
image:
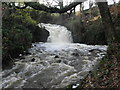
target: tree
90 6
114 2
38 6
107 22
104 11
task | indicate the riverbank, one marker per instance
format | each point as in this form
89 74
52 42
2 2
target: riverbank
108 72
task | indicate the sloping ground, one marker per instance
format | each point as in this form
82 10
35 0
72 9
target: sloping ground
115 9
108 73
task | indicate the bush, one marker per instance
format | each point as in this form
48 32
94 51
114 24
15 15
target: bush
17 35
15 41
40 16
95 33
77 29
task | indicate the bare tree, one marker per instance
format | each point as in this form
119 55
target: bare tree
90 6
114 2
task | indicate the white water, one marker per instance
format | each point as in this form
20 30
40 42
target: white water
58 34
58 62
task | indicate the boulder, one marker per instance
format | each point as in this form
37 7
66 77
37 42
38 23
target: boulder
40 34
56 56
75 54
32 60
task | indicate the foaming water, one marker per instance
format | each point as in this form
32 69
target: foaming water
54 64
58 34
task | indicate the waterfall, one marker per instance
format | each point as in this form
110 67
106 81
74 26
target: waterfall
58 34
57 63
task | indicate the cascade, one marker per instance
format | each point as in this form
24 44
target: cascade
58 34
54 64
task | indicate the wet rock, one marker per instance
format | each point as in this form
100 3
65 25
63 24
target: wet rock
20 55
22 58
75 54
95 50
58 61
32 60
84 73
26 53
93 65
65 62
40 34
90 71
56 56
44 63
34 45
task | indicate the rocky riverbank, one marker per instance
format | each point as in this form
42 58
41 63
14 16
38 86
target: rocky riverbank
106 75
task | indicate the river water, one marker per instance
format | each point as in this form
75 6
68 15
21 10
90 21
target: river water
54 64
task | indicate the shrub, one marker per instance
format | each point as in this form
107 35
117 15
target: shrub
17 35
40 16
15 41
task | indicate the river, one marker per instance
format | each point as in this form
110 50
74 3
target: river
54 64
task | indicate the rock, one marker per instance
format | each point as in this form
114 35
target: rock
22 58
76 28
97 50
56 56
90 71
58 61
32 60
34 45
40 34
26 53
65 62
75 54
20 55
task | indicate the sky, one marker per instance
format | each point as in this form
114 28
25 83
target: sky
86 4
66 2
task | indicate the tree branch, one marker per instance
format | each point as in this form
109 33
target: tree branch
37 6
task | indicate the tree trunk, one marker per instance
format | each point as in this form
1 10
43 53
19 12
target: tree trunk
107 22
38 6
74 10
61 14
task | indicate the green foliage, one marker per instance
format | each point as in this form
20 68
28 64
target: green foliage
17 34
77 28
20 29
89 33
117 33
15 41
40 16
95 33
23 17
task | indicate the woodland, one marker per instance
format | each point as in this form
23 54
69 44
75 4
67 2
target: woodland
98 25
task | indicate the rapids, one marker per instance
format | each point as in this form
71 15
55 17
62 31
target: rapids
54 64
